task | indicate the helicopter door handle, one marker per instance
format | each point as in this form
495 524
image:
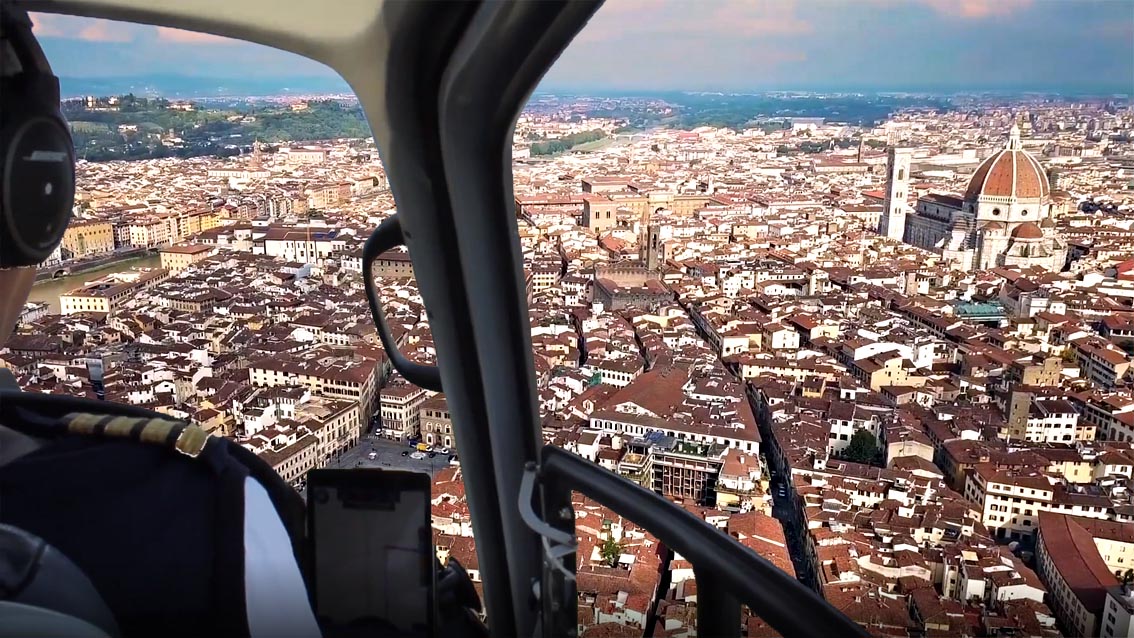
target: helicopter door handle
386 237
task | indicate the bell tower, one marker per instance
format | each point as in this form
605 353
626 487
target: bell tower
892 223
652 250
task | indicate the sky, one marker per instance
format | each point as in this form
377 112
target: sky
721 45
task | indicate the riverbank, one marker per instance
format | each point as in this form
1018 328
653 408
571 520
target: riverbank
48 290
79 268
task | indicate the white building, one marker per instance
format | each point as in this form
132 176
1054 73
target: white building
401 417
1052 421
1117 612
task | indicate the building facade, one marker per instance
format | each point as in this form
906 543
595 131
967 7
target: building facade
401 417
88 238
178 258
437 423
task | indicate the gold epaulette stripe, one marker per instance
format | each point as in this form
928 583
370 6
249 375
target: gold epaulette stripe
119 426
186 439
82 423
156 431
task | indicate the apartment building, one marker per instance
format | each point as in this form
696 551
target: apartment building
1111 414
619 372
1056 421
306 156
109 292
639 425
393 263
87 238
301 245
1100 361
1076 577
293 459
1118 612
349 379
544 276
336 423
677 468
437 422
400 410
1011 500
179 257
321 196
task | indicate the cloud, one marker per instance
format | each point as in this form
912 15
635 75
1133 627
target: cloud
619 19
46 25
976 9
106 31
49 25
191 37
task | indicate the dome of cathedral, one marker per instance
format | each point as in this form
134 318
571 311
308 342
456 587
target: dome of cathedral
1010 172
1047 223
1027 230
989 227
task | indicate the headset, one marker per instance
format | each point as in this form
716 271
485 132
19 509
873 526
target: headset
37 158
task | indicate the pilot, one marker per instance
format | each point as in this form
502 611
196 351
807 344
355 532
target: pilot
178 534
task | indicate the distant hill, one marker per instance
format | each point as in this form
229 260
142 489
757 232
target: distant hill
135 127
187 86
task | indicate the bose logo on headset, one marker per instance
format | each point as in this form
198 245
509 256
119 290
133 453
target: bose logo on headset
47 156
37 159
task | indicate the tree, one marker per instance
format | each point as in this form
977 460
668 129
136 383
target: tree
610 551
863 447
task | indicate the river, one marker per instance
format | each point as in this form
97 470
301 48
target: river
49 290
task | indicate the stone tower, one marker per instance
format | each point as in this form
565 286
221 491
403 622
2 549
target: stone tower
892 223
653 252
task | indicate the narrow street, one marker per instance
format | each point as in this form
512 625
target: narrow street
782 511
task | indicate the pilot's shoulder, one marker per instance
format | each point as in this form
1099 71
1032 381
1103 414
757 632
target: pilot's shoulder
179 436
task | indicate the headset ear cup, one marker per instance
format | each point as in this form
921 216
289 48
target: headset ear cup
37 156
37 170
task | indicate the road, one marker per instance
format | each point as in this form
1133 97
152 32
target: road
389 457
782 511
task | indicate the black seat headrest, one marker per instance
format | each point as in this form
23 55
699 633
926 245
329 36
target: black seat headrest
36 576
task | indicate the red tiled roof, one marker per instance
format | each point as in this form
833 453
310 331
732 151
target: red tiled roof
1027 230
1075 557
1009 173
659 391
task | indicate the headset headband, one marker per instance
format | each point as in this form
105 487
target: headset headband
16 31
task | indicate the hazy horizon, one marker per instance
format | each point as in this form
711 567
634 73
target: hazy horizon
1074 48
329 85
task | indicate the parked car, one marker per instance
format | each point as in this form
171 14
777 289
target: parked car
444 450
372 456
